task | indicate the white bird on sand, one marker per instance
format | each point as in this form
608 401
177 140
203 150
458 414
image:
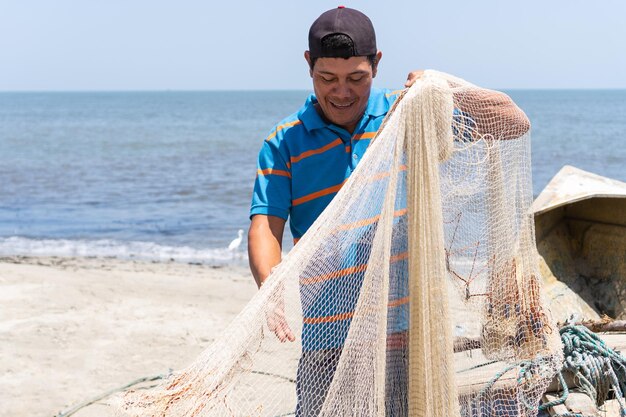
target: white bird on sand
236 242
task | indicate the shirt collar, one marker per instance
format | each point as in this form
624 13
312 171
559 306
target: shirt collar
309 116
378 103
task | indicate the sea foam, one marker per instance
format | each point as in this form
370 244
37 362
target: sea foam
15 245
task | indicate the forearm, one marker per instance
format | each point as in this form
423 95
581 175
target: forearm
494 113
264 245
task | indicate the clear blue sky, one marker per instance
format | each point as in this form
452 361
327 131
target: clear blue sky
207 45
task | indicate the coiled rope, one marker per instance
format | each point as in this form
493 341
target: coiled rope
597 368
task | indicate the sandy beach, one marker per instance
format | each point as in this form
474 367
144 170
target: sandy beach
73 328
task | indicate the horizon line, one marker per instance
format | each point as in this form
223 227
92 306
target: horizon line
252 90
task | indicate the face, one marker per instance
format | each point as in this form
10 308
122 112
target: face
342 87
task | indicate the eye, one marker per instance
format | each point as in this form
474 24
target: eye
357 78
327 80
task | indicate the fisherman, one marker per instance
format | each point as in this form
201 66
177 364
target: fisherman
302 165
304 162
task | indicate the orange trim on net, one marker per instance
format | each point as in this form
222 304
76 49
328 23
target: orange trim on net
281 127
317 151
317 194
272 171
365 135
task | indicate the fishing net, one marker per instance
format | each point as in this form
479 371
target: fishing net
415 293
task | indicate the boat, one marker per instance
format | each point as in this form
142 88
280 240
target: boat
580 228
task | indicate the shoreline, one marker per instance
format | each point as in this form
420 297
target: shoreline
72 328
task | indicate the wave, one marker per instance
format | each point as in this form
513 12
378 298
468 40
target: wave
15 245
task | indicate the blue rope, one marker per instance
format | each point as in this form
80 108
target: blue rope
597 368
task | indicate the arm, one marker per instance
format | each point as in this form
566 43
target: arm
264 245
271 204
264 250
493 112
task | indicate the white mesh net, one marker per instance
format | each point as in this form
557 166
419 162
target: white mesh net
415 293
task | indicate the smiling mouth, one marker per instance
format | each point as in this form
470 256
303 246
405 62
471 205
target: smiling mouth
342 106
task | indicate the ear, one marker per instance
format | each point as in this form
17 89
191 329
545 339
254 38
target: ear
307 56
379 56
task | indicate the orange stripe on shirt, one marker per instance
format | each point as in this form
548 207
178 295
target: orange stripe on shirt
281 127
332 275
393 93
382 175
365 135
271 171
369 221
349 315
399 257
327 319
317 194
398 302
347 271
317 151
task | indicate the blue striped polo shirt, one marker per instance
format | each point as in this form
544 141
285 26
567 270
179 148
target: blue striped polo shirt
304 161
302 165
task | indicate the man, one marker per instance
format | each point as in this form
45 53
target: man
307 157
303 164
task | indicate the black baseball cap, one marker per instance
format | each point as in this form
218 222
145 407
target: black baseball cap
346 21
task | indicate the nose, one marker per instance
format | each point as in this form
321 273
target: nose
342 90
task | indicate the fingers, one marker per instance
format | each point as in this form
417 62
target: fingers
277 323
284 333
412 77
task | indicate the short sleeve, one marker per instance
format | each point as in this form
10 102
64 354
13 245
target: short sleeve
272 187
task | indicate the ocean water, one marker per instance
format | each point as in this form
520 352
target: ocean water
169 175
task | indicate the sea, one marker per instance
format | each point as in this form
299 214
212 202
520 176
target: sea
168 176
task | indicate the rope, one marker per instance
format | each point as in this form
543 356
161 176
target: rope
106 394
93 400
597 368
526 371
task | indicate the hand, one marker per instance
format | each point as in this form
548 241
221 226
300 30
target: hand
275 316
412 77
277 322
